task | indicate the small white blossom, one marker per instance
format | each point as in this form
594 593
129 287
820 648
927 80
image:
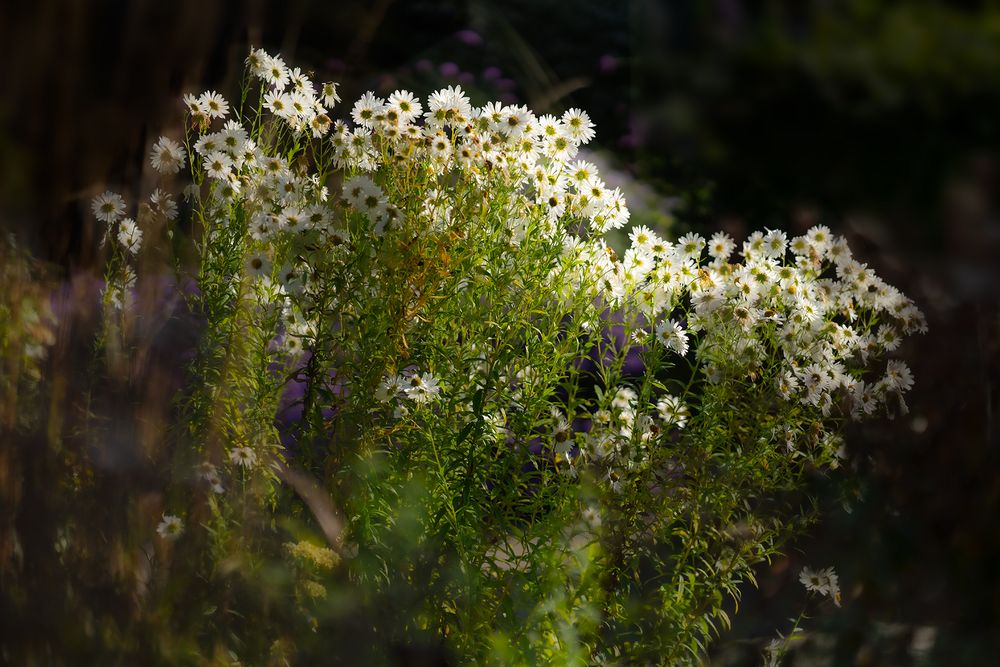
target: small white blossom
170 527
214 105
108 207
164 204
129 235
243 456
824 582
673 336
210 475
167 156
673 411
422 388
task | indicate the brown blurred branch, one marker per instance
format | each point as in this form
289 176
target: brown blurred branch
316 499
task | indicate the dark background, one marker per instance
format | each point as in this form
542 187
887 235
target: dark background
879 119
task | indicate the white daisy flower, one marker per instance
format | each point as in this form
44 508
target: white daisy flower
691 246
164 203
210 143
721 246
320 124
366 109
292 280
562 435
218 165
361 192
581 171
258 265
515 118
549 127
898 376
234 137
258 61
276 73
263 226
301 104
214 104
329 94
560 148
108 206
824 582
210 474
390 387
578 126
278 103
129 235
820 238
167 156
194 105
799 245
624 399
448 106
405 105
787 383
243 456
775 243
440 146
299 80
291 219
673 336
642 237
170 527
422 388
673 411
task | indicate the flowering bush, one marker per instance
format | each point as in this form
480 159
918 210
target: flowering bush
426 382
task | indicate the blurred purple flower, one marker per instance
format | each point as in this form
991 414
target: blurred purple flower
608 63
469 37
387 82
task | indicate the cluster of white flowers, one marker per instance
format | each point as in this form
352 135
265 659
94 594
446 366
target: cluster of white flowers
417 387
480 142
621 436
435 275
291 95
801 313
209 474
824 313
798 313
110 208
